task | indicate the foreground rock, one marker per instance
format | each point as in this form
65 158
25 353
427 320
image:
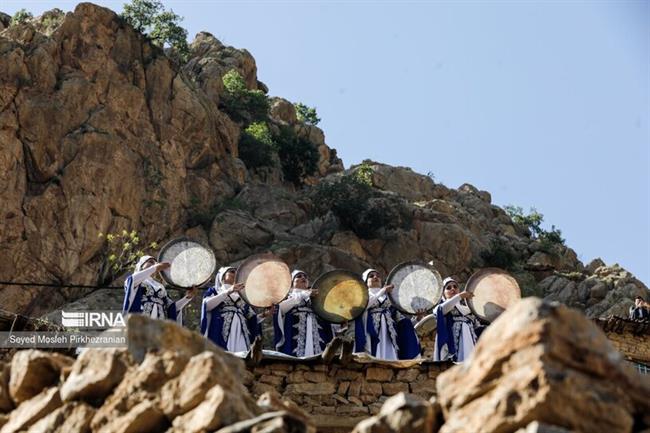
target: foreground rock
33 370
402 413
180 384
547 363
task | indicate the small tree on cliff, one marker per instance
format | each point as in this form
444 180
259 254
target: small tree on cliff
240 103
306 114
21 16
151 18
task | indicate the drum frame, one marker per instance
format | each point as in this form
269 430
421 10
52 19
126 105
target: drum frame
399 266
174 241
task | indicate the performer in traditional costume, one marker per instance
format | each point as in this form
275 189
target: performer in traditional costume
457 327
226 318
382 330
298 331
143 294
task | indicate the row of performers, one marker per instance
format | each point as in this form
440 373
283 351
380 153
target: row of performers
382 330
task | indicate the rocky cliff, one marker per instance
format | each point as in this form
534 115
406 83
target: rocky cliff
101 131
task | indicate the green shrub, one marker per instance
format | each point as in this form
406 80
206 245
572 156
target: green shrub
120 253
360 208
298 156
241 104
256 146
363 173
533 222
21 17
151 18
306 114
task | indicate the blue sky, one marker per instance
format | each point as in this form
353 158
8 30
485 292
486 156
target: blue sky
544 104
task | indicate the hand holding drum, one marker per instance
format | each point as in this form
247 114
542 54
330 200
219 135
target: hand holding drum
265 280
186 263
415 287
492 291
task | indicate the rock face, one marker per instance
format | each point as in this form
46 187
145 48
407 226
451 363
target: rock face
544 362
100 132
196 389
600 290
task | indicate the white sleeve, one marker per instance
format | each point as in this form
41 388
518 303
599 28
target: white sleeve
212 301
374 299
140 276
450 303
290 303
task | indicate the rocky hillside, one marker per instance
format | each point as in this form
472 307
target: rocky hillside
101 131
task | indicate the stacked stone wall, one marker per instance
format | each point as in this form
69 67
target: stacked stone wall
634 347
341 395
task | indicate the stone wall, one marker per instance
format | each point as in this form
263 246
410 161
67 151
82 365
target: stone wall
338 396
631 338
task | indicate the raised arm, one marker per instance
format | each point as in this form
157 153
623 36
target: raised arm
213 301
140 276
293 301
450 303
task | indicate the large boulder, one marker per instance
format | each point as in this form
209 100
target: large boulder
95 374
32 410
401 180
70 418
34 370
543 362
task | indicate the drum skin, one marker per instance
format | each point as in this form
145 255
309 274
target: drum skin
418 287
342 296
192 262
266 280
494 291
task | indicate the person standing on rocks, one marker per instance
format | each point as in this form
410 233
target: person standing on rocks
226 318
383 331
143 294
457 327
640 310
297 329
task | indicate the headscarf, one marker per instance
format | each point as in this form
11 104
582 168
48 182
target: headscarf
142 261
447 281
295 273
149 280
364 276
218 281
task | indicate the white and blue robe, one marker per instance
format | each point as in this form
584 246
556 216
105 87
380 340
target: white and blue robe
227 320
457 330
143 294
297 329
383 331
